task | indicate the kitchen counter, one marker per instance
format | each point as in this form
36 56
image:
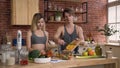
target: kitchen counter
108 63
113 44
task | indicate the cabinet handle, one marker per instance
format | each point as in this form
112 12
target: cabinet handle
110 48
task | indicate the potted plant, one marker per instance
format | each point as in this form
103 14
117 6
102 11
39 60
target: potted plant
58 16
108 31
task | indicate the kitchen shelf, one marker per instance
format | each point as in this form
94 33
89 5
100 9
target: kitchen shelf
52 11
53 6
78 12
65 0
62 22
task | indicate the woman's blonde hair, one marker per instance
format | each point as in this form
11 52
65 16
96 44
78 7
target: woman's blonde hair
36 18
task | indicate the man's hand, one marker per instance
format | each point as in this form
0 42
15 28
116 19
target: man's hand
61 42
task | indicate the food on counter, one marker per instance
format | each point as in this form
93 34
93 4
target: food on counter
85 53
89 49
34 54
37 57
49 53
89 52
66 55
23 61
70 47
73 45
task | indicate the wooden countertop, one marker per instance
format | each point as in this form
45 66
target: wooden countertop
68 63
113 44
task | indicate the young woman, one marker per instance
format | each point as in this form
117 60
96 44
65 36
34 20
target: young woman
37 37
69 31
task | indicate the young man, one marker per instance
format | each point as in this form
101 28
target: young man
69 31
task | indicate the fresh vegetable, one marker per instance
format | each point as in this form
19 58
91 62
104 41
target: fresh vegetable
24 62
108 30
42 56
34 54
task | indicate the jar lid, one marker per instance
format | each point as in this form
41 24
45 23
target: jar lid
109 52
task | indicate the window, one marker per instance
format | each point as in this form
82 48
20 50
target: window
111 1
114 18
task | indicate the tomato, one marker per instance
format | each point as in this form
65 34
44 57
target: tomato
24 62
49 53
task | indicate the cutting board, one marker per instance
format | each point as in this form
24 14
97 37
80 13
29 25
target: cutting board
73 45
88 57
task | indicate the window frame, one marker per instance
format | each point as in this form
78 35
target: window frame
112 4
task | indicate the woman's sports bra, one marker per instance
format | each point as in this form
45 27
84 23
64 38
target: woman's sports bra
38 40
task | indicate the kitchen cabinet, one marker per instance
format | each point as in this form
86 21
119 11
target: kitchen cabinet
114 49
23 11
54 8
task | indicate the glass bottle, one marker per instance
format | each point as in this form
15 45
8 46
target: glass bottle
98 50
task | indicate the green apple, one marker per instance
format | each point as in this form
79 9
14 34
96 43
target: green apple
94 54
85 53
89 49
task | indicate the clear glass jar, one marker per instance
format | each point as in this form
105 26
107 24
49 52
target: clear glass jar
109 54
3 57
23 56
8 57
6 51
11 59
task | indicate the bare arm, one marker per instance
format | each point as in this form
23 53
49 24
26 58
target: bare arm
29 40
80 33
58 34
47 34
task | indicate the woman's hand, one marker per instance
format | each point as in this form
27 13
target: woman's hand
43 52
61 42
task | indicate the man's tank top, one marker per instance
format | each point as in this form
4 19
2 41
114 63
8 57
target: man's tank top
69 37
38 40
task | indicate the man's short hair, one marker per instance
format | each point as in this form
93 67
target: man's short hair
69 11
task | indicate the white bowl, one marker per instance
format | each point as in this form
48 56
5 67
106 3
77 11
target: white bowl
42 60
